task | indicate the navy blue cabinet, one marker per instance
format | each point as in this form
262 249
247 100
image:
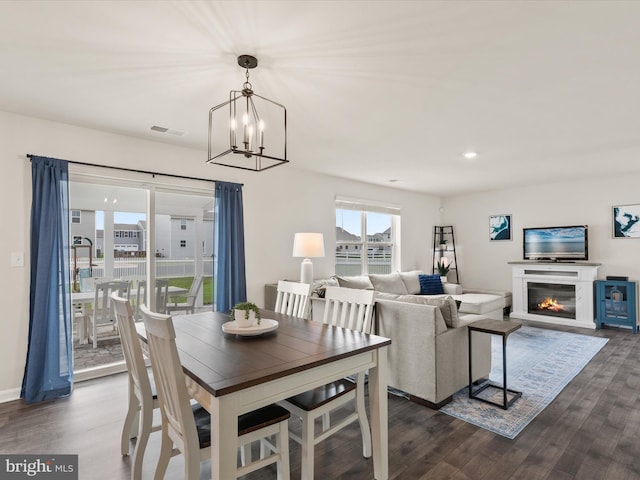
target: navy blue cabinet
616 303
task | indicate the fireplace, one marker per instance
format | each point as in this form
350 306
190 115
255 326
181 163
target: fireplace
560 293
552 299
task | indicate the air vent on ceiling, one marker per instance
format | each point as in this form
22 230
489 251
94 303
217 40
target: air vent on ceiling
168 131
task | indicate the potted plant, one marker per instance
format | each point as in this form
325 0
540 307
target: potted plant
245 314
443 268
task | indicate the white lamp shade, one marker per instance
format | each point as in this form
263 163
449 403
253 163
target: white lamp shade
307 245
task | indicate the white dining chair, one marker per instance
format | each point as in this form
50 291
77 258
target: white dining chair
187 426
142 396
190 305
161 292
103 315
293 299
345 308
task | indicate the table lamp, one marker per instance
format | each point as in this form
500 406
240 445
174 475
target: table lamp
307 245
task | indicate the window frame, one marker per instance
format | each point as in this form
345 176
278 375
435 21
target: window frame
364 207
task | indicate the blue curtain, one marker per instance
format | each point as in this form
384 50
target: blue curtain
48 371
231 284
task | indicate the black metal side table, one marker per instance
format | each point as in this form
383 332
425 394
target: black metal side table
494 327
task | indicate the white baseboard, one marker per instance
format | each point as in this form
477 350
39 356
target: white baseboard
14 393
9 395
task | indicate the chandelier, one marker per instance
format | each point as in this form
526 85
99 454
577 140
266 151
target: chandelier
256 128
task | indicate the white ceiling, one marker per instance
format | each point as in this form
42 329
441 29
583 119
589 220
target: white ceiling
374 90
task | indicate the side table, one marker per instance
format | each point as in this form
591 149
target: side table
502 328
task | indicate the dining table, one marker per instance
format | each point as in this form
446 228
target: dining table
230 374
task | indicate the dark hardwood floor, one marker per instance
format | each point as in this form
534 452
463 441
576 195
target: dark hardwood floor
590 431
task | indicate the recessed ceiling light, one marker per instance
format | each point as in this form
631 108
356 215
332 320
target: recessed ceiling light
394 180
470 155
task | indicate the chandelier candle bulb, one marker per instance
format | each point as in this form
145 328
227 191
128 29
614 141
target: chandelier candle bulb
261 128
245 122
233 132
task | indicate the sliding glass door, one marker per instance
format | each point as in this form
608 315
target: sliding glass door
141 234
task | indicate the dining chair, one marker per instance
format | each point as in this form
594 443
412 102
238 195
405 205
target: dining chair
103 315
187 426
293 299
346 308
190 305
162 291
143 398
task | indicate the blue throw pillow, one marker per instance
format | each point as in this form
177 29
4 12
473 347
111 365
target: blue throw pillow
430 285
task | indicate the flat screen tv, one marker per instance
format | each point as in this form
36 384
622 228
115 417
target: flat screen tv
556 243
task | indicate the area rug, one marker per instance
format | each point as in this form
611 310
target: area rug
540 363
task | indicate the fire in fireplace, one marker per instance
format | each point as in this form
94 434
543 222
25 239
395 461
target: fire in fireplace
552 299
551 304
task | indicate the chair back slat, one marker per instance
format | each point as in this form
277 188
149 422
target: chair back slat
162 292
170 380
293 298
131 348
349 308
102 312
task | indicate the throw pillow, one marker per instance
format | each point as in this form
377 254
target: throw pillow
320 286
388 283
361 282
448 309
411 281
430 285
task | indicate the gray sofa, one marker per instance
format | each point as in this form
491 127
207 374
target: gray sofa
429 352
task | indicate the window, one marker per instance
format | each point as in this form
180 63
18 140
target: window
183 243
366 238
76 216
183 224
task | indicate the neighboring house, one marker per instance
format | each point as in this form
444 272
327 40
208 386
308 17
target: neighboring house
175 236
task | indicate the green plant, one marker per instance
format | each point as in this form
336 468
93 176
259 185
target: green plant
247 307
443 268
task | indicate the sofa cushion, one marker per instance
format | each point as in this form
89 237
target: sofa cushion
361 282
480 303
446 304
430 285
448 308
388 283
411 281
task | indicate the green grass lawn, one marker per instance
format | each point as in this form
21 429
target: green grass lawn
185 282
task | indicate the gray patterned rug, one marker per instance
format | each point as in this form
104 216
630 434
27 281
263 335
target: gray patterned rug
540 363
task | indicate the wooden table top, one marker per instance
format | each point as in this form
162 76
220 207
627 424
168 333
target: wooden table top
223 363
496 327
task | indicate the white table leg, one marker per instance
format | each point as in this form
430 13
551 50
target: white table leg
378 404
224 437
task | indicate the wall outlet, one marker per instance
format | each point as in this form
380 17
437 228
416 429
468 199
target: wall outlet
17 259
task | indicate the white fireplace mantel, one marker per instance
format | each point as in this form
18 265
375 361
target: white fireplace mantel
580 274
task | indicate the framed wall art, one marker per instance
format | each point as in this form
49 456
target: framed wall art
626 221
500 227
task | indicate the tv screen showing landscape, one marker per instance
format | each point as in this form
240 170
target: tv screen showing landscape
556 243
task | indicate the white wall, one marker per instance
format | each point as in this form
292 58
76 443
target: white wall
483 263
278 203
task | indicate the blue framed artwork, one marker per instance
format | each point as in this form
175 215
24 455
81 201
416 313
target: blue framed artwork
626 221
500 227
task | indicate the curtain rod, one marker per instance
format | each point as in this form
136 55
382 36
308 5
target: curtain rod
135 170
